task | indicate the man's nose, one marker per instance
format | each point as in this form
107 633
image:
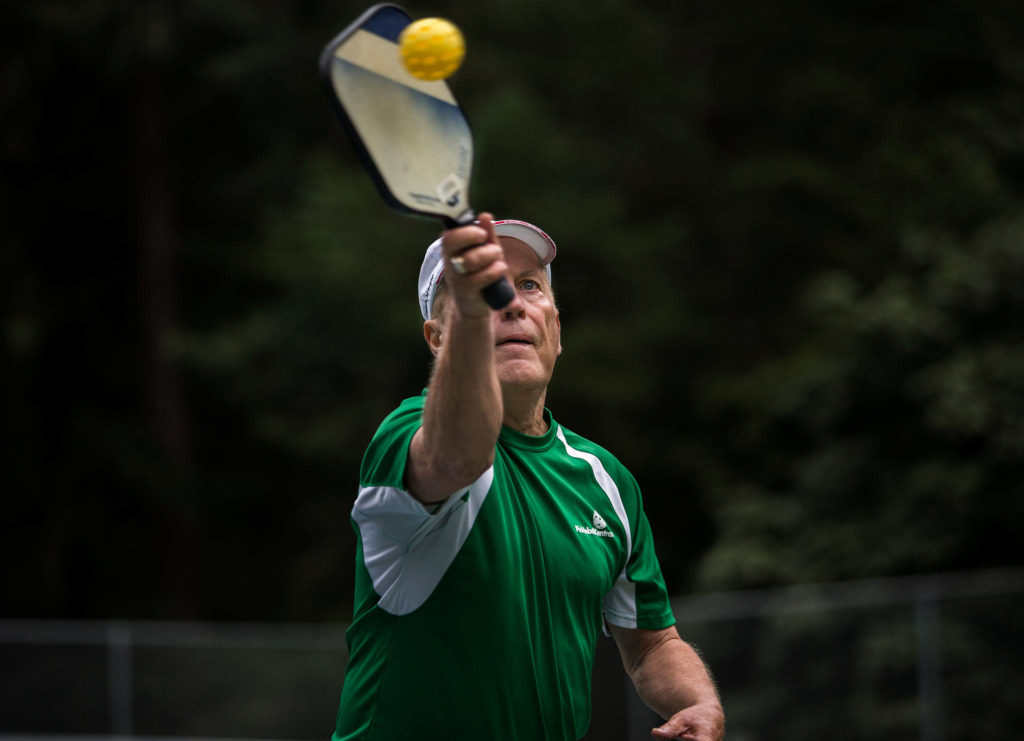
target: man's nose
515 308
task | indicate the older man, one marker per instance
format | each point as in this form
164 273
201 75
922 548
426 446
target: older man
493 543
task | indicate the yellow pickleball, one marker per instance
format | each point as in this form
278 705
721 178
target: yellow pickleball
431 48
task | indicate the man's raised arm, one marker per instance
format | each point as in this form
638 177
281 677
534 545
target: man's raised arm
462 414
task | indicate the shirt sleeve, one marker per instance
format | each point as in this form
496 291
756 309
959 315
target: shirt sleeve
407 548
638 598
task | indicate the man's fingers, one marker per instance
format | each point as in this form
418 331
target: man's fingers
678 726
666 731
487 224
475 249
462 238
696 723
682 725
475 259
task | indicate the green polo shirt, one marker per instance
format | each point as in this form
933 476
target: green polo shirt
478 619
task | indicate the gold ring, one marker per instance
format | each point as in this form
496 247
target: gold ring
458 264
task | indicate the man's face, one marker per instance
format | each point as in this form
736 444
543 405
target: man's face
527 332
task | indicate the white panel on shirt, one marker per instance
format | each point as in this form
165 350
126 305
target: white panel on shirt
407 549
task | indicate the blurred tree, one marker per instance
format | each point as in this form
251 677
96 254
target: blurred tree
849 449
897 426
143 145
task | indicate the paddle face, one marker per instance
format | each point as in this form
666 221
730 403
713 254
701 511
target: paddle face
411 133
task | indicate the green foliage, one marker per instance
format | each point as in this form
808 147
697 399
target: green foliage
895 427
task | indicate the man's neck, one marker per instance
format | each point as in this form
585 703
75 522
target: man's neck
524 411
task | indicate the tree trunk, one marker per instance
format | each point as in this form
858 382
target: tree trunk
158 289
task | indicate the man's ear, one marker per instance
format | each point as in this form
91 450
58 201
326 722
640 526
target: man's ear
558 323
432 334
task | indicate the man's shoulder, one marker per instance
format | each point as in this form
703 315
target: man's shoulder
410 405
408 410
625 483
384 459
582 444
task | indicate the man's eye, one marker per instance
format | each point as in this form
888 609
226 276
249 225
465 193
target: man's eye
529 285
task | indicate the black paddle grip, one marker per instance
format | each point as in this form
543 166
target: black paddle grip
499 294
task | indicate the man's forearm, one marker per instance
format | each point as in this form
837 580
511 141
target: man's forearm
463 410
461 415
672 676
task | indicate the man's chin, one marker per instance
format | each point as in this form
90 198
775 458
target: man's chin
522 373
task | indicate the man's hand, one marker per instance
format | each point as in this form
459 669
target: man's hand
480 262
696 723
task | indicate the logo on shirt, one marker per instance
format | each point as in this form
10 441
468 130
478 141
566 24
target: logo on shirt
599 529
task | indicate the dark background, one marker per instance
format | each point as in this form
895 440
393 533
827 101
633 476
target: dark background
791 274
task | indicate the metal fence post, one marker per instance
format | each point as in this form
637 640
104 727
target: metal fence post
929 666
119 645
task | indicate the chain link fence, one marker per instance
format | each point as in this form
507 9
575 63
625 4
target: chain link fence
183 680
936 658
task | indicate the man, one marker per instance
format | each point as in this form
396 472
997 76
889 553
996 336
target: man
494 544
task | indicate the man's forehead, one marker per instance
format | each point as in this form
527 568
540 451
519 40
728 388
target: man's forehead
520 252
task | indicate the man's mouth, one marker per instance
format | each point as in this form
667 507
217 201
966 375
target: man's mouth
515 340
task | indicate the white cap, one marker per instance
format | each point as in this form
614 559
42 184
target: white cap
432 269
